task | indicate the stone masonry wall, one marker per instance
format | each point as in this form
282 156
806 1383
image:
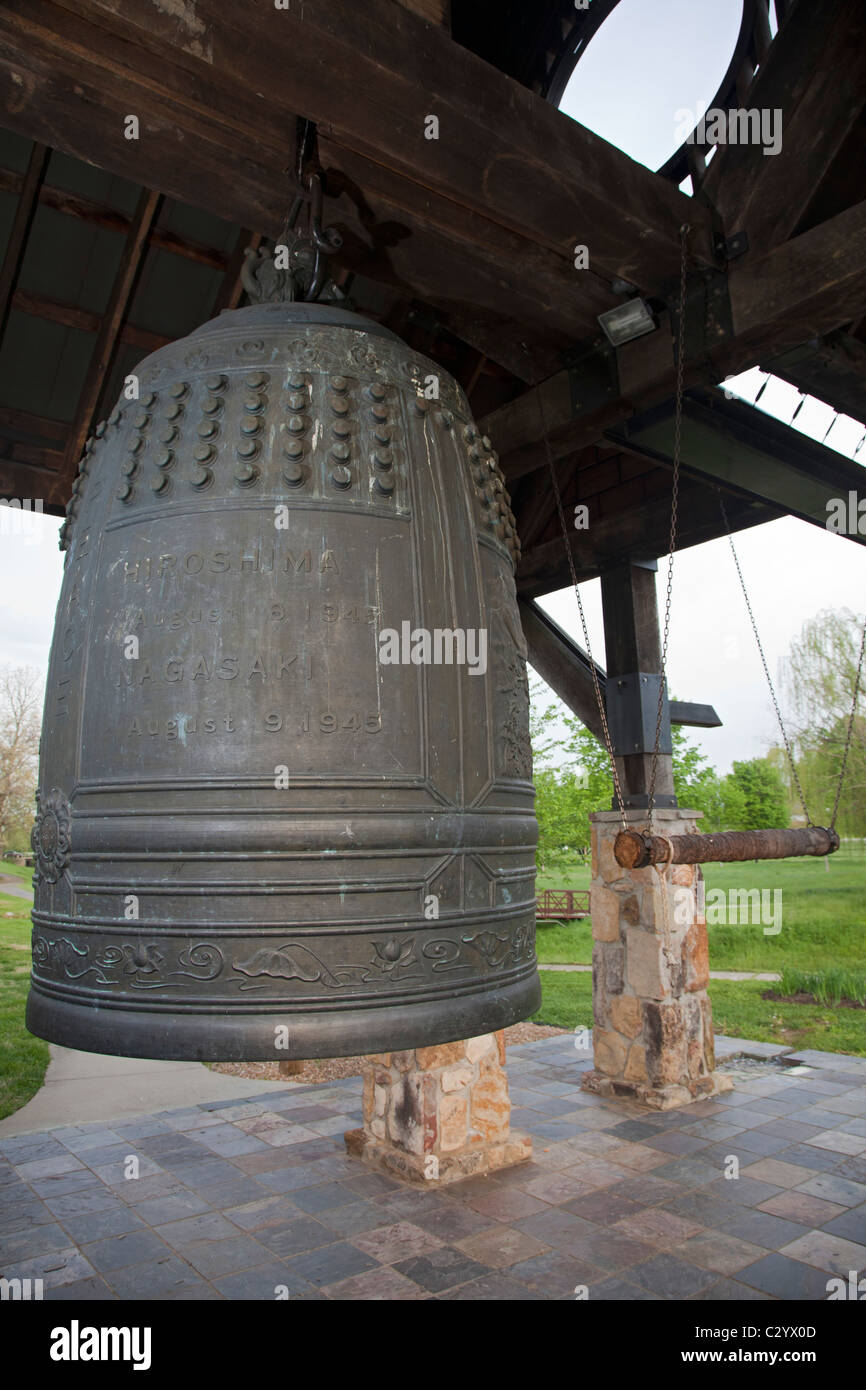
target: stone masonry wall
653 1025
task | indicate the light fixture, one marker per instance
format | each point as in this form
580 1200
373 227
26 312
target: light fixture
627 321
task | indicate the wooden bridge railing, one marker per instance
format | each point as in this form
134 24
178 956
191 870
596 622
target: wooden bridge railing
565 903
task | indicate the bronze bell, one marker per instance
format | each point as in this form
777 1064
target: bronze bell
285 803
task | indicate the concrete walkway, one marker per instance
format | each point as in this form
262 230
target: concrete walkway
82 1087
714 974
15 888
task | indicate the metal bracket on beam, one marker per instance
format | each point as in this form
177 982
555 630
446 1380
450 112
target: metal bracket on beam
632 712
709 319
732 246
695 716
593 376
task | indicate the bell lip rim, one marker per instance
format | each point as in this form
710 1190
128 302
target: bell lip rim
207 1037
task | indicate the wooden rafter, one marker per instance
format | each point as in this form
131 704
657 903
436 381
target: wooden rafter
71 316
28 201
100 215
112 321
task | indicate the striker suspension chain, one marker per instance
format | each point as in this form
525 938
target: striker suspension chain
675 491
788 750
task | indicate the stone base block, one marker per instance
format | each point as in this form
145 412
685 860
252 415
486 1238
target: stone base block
436 1114
435 1170
664 1097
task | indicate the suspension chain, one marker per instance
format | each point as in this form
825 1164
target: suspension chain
675 492
785 739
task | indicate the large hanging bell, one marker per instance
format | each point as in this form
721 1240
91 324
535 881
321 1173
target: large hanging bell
285 803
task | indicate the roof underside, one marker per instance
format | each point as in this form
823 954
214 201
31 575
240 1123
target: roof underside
464 246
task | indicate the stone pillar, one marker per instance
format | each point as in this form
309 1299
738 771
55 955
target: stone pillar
433 1115
653 1022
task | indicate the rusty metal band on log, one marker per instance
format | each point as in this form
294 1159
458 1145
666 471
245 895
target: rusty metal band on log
256 837
635 850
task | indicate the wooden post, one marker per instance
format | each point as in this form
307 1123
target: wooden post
631 636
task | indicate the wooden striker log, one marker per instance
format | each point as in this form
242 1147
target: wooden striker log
634 850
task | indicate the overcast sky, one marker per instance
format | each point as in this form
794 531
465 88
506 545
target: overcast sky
663 57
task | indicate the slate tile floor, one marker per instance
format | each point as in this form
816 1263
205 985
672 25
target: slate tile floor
235 1198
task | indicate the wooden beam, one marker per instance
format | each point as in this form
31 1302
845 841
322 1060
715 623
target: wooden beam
833 369
109 331
800 290
434 11
566 668
435 249
529 353
38 457
28 201
101 215
71 316
815 74
15 422
638 530
731 443
216 90
35 479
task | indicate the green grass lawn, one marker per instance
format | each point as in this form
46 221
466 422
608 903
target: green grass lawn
23 1058
823 926
823 919
738 1010
568 875
16 871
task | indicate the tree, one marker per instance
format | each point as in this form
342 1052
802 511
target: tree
818 678
20 716
764 801
571 774
698 786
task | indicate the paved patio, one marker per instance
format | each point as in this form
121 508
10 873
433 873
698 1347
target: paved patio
235 1198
